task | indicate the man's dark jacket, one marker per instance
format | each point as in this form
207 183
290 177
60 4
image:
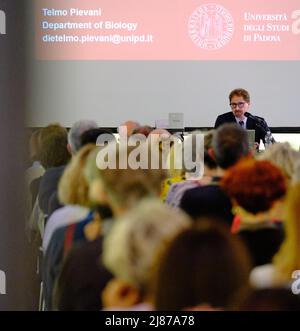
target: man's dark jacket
250 125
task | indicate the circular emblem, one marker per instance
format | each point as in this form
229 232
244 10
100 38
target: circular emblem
211 26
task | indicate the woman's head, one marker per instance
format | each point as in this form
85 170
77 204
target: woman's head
254 185
120 184
132 243
283 156
73 187
201 265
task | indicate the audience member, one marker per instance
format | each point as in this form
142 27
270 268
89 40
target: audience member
144 130
283 156
204 267
74 144
53 157
257 190
129 251
93 135
229 145
177 190
73 194
126 128
75 133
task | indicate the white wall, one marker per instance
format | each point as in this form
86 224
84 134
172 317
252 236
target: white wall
114 91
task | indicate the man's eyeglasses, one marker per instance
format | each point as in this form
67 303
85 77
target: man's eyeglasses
239 104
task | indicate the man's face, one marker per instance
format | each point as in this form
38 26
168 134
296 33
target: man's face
239 106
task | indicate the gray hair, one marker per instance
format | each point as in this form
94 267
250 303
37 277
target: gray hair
131 246
230 144
283 156
77 129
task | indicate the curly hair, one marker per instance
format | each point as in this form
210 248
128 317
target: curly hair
254 185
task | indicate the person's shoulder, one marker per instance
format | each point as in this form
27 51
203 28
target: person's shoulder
52 175
58 235
261 118
228 114
224 118
54 249
201 190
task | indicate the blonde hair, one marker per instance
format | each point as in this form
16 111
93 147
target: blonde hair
73 187
126 186
287 259
133 242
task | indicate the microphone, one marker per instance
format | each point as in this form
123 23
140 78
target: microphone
261 123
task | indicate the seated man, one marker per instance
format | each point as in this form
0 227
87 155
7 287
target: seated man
239 101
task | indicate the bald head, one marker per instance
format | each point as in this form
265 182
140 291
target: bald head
129 126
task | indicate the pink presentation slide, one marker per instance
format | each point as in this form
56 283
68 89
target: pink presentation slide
167 30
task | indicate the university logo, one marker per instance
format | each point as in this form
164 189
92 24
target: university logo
2 22
2 282
211 26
